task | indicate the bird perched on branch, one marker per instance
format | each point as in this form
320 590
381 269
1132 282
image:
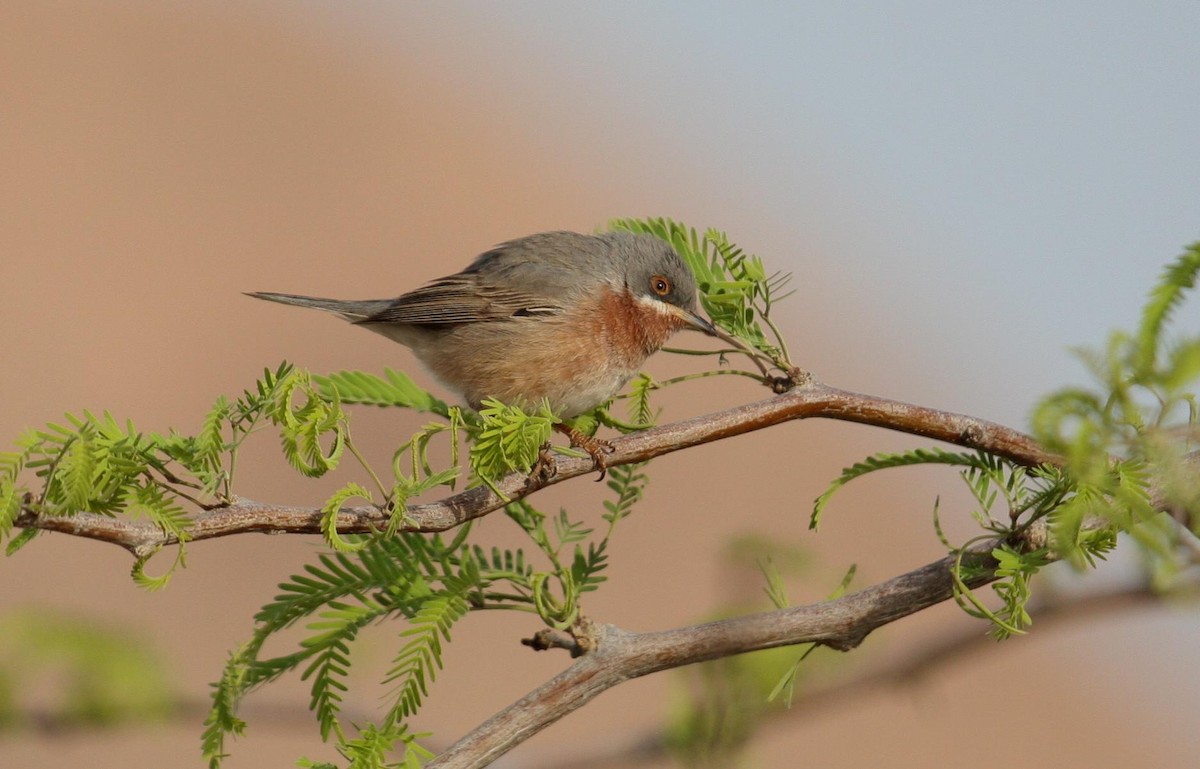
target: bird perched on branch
558 316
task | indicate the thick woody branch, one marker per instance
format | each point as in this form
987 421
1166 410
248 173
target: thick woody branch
615 656
653 745
619 656
808 401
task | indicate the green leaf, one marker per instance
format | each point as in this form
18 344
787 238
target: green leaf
629 483
210 443
775 589
152 501
640 410
329 517
418 661
1176 280
883 461
785 688
303 428
509 439
346 591
394 389
21 540
222 718
11 493
144 580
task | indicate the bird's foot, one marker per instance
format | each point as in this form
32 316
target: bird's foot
597 448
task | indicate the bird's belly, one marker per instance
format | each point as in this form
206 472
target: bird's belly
575 374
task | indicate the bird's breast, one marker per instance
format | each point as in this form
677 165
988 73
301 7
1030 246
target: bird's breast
576 359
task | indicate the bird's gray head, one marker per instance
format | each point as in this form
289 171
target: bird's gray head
656 276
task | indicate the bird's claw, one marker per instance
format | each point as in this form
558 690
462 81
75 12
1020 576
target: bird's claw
599 452
597 448
543 469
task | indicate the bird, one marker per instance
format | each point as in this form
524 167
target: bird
559 317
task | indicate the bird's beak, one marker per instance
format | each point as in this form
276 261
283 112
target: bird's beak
695 321
698 323
764 362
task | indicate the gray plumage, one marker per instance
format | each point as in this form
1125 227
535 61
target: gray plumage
467 327
550 269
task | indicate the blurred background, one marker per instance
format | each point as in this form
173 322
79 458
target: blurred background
963 192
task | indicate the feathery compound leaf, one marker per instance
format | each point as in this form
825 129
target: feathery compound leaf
346 591
503 564
88 466
509 439
302 429
416 666
1164 298
587 568
903 459
329 516
775 589
210 444
339 625
395 565
785 687
77 470
567 531
639 400
374 747
222 718
148 582
10 493
152 501
629 483
394 389
253 405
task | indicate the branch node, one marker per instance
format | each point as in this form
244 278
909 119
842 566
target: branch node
972 435
585 635
845 643
792 378
548 638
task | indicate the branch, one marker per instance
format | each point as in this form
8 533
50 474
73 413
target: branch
813 399
615 656
619 656
653 745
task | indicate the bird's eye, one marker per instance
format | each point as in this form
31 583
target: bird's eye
660 285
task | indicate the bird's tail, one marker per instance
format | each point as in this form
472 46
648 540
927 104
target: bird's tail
350 309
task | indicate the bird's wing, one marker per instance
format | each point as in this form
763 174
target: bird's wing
462 298
535 275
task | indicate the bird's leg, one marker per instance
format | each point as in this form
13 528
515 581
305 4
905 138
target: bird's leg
597 448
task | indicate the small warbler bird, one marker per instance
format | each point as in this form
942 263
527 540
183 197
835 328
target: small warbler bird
558 315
